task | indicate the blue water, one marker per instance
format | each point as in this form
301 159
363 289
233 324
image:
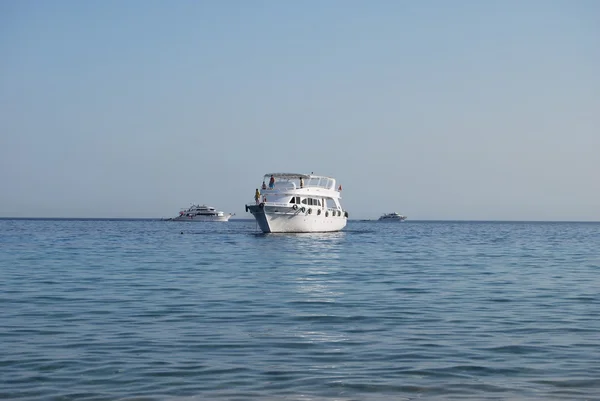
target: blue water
153 310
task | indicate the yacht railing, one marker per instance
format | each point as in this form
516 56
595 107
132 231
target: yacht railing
280 204
332 211
290 185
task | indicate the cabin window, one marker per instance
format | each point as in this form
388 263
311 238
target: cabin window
304 201
293 200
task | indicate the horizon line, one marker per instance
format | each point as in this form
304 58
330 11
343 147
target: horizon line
365 220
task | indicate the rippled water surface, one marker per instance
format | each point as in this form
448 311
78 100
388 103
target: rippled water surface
153 310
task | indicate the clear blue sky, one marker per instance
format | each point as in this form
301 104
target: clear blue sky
434 109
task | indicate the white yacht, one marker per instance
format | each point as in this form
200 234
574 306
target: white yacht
298 203
392 217
202 213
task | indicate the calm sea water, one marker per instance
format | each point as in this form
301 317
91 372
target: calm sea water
153 310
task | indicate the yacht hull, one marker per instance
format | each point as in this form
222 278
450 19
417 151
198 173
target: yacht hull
277 219
203 218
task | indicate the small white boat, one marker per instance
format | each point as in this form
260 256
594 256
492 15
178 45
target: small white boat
392 217
202 213
298 203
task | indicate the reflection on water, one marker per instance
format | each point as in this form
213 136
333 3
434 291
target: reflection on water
312 262
307 245
323 337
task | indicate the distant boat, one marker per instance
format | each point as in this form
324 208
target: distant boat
202 213
392 217
298 203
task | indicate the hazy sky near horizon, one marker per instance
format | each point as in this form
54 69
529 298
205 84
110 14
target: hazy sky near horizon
434 109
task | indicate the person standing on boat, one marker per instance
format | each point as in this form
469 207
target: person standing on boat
272 182
257 196
264 186
301 183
